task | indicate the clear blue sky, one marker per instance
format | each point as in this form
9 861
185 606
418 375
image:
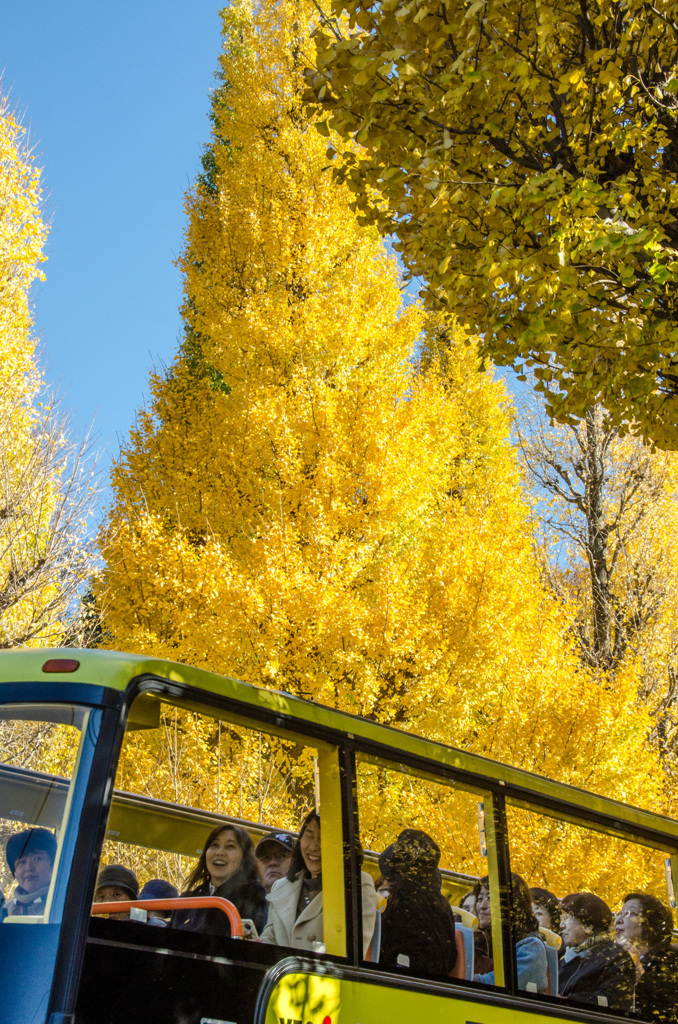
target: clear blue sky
116 97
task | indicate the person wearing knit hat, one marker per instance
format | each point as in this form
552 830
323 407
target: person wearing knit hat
417 923
30 856
116 884
159 889
595 971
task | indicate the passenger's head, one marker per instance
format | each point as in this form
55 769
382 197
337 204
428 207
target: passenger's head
306 854
583 915
159 889
116 884
412 859
274 856
481 891
546 908
468 902
524 920
645 921
227 851
382 887
30 856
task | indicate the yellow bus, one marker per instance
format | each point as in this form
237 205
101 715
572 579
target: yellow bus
116 760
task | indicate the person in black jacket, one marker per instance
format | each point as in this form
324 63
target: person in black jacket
644 926
226 868
595 971
417 924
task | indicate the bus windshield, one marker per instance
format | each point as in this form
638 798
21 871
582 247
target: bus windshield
40 747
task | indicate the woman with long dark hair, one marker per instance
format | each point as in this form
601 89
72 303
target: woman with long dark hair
295 903
531 961
226 868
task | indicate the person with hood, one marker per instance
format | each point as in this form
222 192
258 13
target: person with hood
417 924
594 970
295 903
644 927
226 868
158 889
30 856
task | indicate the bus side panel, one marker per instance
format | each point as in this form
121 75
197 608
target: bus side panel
304 998
135 984
28 953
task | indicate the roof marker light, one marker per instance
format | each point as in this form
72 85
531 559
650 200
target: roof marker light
61 665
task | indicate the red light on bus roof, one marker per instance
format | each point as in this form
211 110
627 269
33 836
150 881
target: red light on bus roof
61 665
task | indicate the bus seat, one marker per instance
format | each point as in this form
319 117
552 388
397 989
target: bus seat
552 939
463 969
373 951
552 970
468 919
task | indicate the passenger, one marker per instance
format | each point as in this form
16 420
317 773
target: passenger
159 889
274 856
482 936
531 962
116 884
644 926
30 855
226 868
295 903
383 891
594 970
468 903
418 923
546 908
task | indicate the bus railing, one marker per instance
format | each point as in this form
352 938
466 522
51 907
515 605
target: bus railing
182 903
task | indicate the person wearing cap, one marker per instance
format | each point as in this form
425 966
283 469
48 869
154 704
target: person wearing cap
595 970
417 925
116 884
274 856
30 857
158 889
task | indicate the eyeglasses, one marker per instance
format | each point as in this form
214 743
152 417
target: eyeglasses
622 914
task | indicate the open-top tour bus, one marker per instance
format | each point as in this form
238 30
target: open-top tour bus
131 760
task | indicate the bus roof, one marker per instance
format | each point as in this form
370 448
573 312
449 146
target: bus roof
115 671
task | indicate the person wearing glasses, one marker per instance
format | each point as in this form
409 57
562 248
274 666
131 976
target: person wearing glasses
644 927
595 970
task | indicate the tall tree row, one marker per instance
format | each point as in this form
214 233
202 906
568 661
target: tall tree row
43 478
322 495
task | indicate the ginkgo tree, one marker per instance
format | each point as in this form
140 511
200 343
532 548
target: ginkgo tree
527 155
322 496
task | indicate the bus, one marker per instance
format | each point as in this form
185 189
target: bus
129 760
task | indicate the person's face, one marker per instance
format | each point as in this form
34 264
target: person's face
273 862
113 894
628 923
33 870
542 915
572 930
223 857
310 848
483 908
469 904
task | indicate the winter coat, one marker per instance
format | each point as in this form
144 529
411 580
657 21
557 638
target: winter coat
421 927
482 957
531 964
602 975
248 897
24 903
285 928
657 988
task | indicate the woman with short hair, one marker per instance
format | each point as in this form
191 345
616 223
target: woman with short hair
644 926
594 970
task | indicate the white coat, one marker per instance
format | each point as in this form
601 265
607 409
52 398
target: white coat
284 928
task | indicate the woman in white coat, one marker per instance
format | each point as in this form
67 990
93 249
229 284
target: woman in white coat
295 903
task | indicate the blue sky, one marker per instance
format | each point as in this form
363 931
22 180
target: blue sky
116 97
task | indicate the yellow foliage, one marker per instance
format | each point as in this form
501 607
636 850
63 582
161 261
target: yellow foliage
322 497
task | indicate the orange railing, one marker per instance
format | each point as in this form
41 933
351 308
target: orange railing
183 903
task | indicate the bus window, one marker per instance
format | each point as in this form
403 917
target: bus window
40 748
212 805
429 848
602 907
